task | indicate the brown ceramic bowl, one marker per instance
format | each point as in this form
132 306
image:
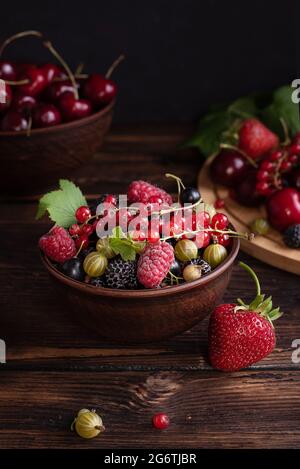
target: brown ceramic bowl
145 315
31 164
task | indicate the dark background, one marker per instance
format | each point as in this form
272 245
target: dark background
182 55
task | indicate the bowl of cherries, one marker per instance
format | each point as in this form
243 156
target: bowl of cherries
51 119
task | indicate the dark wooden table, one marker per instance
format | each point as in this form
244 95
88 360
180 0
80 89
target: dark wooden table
54 367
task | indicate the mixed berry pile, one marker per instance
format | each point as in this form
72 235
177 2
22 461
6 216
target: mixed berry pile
162 250
261 170
45 95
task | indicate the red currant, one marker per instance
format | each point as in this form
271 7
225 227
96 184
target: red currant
87 230
293 159
153 237
74 230
138 236
263 188
155 199
82 214
275 155
111 199
82 242
219 221
266 165
262 175
161 421
223 239
294 149
285 166
219 203
202 239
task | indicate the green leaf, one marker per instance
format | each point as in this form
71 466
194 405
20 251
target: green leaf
244 107
121 246
282 107
62 203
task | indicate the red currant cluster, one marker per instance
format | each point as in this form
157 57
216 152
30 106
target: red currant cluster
44 96
275 167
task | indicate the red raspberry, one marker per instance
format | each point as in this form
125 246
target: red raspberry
143 192
58 245
154 264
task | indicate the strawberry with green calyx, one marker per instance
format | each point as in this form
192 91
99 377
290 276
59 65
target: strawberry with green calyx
240 334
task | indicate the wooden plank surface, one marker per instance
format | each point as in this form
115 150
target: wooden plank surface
54 366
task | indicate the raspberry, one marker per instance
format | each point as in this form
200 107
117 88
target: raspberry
58 245
154 264
142 191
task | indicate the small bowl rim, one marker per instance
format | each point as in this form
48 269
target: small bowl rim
146 293
63 126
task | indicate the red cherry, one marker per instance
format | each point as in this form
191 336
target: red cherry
5 97
46 115
8 71
202 239
57 89
228 167
23 102
74 230
51 71
283 208
87 229
13 121
99 90
37 81
82 242
161 421
246 193
219 221
219 203
72 108
82 214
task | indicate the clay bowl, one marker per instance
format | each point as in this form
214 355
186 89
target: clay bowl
144 315
31 164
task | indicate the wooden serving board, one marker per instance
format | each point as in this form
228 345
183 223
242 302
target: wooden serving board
269 248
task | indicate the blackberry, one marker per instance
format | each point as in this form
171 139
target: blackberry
98 281
205 267
291 236
121 274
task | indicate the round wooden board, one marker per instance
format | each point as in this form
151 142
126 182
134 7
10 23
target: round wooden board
269 248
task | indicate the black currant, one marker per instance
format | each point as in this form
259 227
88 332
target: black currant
190 195
175 269
73 268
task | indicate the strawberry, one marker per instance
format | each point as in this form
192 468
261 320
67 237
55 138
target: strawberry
255 139
239 334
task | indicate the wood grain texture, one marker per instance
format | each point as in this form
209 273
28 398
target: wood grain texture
207 410
55 366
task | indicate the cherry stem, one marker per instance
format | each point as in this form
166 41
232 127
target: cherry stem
70 74
287 139
178 181
227 146
28 133
20 35
79 250
79 69
17 83
114 65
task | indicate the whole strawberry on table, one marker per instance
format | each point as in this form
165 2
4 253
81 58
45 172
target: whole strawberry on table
257 156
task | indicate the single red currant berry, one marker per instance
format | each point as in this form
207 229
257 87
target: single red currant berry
82 242
153 237
161 421
111 199
82 214
155 199
87 230
294 148
223 239
262 175
74 230
202 239
275 155
285 166
263 188
266 165
293 159
219 203
138 236
219 221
